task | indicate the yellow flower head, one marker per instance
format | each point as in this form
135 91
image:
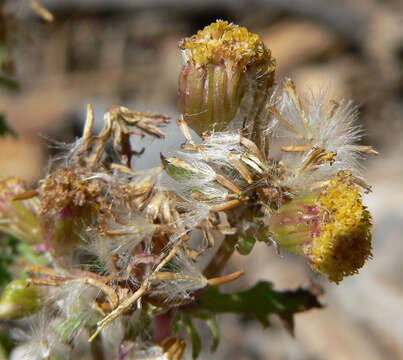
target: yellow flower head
342 243
223 41
224 65
331 228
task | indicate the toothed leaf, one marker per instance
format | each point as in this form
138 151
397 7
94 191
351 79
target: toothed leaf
260 301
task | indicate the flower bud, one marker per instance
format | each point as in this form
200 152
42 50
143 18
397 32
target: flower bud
331 228
19 217
18 299
223 65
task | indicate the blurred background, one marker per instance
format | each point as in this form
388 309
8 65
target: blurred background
106 52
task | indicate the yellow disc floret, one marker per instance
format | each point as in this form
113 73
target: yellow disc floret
223 41
343 242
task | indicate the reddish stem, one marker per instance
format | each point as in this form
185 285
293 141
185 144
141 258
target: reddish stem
162 326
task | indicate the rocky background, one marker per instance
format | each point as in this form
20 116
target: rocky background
125 51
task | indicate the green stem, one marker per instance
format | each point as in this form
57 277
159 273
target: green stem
227 247
222 256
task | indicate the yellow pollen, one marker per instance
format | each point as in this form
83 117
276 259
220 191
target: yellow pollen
223 41
343 242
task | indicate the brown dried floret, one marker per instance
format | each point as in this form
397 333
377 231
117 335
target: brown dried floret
70 188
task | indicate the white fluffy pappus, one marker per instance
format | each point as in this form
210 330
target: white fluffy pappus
312 123
202 180
122 235
113 334
39 342
210 163
178 279
75 300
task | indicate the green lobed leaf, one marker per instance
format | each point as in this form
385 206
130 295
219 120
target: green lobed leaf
260 301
